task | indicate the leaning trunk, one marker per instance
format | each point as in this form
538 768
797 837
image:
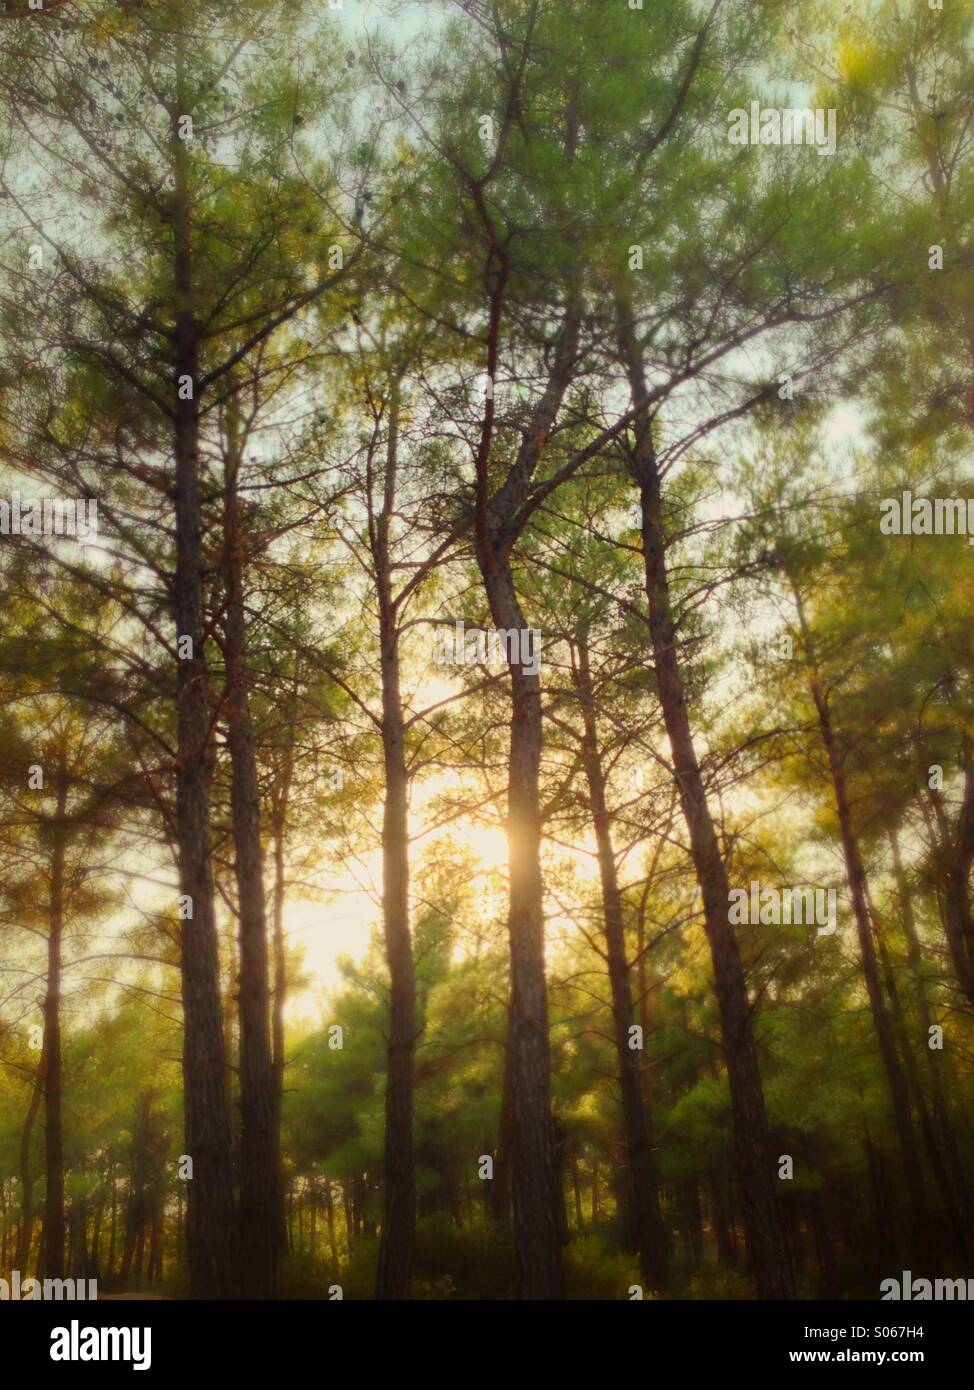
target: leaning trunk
767 1250
859 894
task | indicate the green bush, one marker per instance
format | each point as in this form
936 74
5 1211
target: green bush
593 1271
475 1261
713 1281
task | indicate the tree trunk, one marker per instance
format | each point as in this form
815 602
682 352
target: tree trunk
280 986
537 1201
954 859
26 1230
350 1231
884 1223
577 1195
259 1159
536 1198
767 1250
936 1063
52 1240
859 893
720 1220
330 1213
692 1218
210 1221
112 1226
641 1173
500 1193
94 1270
954 1235
399 1198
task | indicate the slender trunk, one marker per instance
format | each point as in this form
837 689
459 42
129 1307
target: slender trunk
78 1239
644 988
767 1250
822 1242
936 1062
577 1195
953 1233
641 1175
155 1242
692 1218
723 1233
398 1237
859 893
52 1242
26 1230
229 1014
94 1269
884 1222
210 1220
622 1193
560 1138
349 1214
330 1213
140 1251
500 1195
954 860
113 1226
280 991
359 1190
259 1159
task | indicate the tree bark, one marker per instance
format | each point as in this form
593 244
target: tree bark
280 801
537 1201
535 1194
859 893
398 1236
210 1219
26 1230
500 1188
954 1235
641 1173
936 1061
767 1250
954 860
52 1239
259 1159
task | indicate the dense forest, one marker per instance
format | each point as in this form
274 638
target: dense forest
486 725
